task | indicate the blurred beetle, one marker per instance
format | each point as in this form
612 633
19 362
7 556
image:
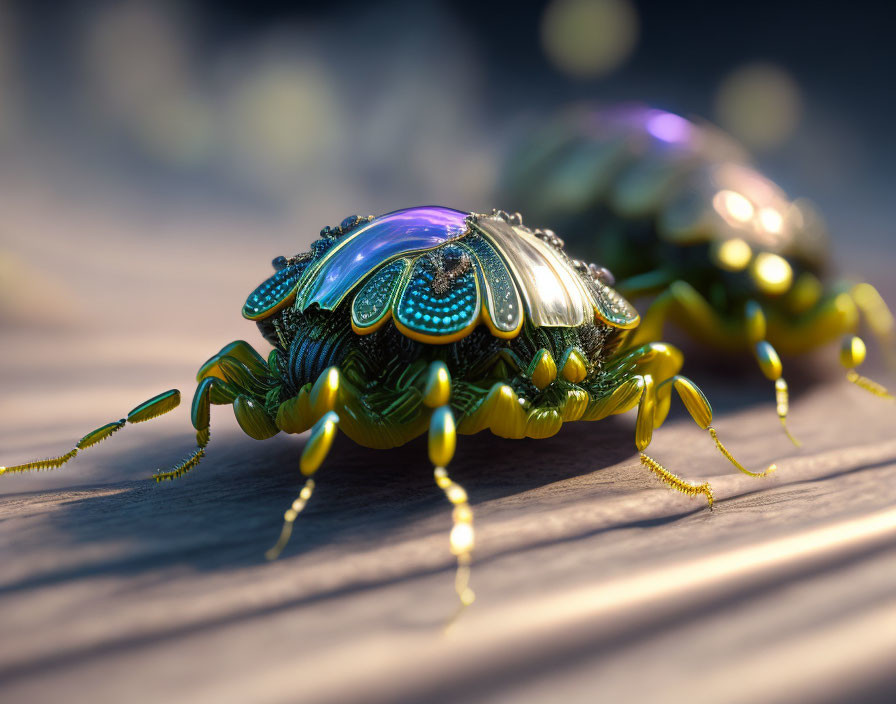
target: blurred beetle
675 209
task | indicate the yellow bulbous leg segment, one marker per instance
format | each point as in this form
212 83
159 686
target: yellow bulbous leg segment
852 354
437 391
698 407
325 392
313 455
574 369
543 369
153 408
442 442
769 363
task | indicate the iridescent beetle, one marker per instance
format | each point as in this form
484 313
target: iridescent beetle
431 320
677 212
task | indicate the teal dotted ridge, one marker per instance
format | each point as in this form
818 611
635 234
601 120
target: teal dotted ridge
272 293
375 298
421 310
502 298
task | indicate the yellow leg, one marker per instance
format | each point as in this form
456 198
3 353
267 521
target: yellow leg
200 415
769 363
676 482
644 427
315 452
699 409
878 316
442 443
685 305
147 410
852 354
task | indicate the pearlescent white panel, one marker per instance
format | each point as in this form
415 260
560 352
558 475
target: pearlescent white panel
553 294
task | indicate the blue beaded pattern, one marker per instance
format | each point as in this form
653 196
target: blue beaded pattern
274 293
501 298
420 310
374 300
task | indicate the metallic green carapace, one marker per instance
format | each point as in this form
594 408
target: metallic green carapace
675 209
431 321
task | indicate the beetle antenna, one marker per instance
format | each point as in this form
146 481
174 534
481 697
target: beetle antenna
147 410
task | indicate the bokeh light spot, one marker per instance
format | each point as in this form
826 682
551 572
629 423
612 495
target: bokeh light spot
772 273
733 206
734 254
771 220
589 38
669 127
760 104
283 116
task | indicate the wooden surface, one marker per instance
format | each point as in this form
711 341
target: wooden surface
594 582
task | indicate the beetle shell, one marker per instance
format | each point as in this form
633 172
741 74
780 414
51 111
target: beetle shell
635 163
437 274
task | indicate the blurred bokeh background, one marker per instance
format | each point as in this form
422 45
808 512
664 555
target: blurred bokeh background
152 145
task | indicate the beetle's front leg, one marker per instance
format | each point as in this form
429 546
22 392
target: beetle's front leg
147 410
210 390
442 442
325 393
313 455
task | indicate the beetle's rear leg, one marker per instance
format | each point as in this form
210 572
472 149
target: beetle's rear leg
852 354
147 410
769 362
653 406
644 426
878 316
699 409
683 303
